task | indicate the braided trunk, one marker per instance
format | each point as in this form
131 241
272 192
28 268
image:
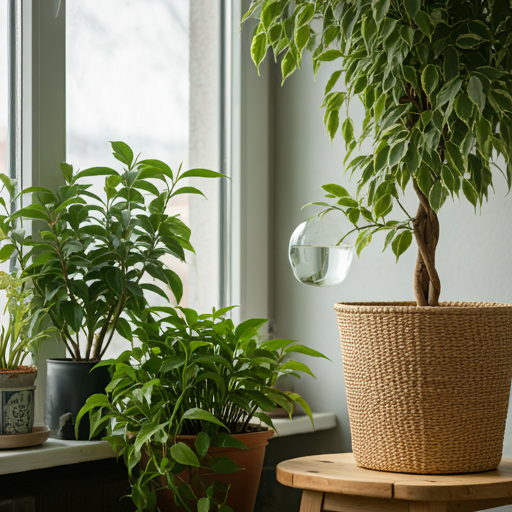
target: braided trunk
427 286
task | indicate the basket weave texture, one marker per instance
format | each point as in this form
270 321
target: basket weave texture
427 388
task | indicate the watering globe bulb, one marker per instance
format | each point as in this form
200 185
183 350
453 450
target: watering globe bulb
316 256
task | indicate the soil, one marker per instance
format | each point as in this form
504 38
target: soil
20 369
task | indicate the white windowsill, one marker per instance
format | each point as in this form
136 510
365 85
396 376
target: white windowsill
61 453
53 453
302 424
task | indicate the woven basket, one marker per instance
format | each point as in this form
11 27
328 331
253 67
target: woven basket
427 388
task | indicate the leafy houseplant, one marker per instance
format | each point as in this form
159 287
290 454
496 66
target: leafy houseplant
87 264
19 336
195 375
93 252
434 80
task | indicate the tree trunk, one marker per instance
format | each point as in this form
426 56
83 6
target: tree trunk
427 286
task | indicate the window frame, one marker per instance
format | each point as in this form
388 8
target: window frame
245 151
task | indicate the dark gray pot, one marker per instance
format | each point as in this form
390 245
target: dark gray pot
68 386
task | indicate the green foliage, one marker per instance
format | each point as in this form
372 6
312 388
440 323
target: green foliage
193 374
434 79
87 263
23 332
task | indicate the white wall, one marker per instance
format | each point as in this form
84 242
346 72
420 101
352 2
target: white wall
474 252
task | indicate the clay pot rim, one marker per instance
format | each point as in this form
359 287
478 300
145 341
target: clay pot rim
21 370
463 308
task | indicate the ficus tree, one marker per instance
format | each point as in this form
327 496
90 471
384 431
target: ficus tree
434 78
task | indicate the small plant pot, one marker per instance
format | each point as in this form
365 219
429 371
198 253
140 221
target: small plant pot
244 483
17 400
427 387
69 384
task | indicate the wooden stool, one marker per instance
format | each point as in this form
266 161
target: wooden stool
334 483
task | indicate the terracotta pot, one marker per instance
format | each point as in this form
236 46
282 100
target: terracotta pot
427 387
244 483
17 400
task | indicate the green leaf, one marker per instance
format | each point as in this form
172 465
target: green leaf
297 366
223 465
199 414
467 41
483 135
476 93
201 444
124 329
182 454
114 279
333 123
401 243
332 82
455 157
380 9
302 36
152 164
470 192
203 505
464 108
437 196
201 173
424 23
448 91
412 7
259 48
347 130
429 79
288 65
424 179
122 152
397 152
336 190
301 349
450 64
95 171
6 252
223 440
187 190
34 211
383 205
297 398
73 313
330 55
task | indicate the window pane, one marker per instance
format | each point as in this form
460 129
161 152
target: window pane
128 79
4 91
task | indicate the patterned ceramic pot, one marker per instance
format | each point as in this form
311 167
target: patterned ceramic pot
17 401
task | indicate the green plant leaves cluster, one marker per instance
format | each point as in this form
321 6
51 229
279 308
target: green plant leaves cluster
87 263
435 81
193 374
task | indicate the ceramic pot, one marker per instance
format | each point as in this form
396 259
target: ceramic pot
69 384
427 387
244 483
17 400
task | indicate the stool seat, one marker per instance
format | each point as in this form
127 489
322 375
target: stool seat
335 483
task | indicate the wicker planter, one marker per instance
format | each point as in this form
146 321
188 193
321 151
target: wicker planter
427 388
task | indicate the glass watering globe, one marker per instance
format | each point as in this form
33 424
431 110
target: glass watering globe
316 257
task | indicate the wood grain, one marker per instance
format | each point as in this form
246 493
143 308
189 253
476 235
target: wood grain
339 473
311 501
344 503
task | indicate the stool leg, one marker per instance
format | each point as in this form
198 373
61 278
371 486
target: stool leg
312 501
427 506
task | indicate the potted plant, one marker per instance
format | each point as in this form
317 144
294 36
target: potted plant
87 265
200 363
19 336
427 382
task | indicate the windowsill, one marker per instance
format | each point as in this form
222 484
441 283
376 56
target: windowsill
53 452
62 453
302 424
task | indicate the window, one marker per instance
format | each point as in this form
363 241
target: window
143 73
